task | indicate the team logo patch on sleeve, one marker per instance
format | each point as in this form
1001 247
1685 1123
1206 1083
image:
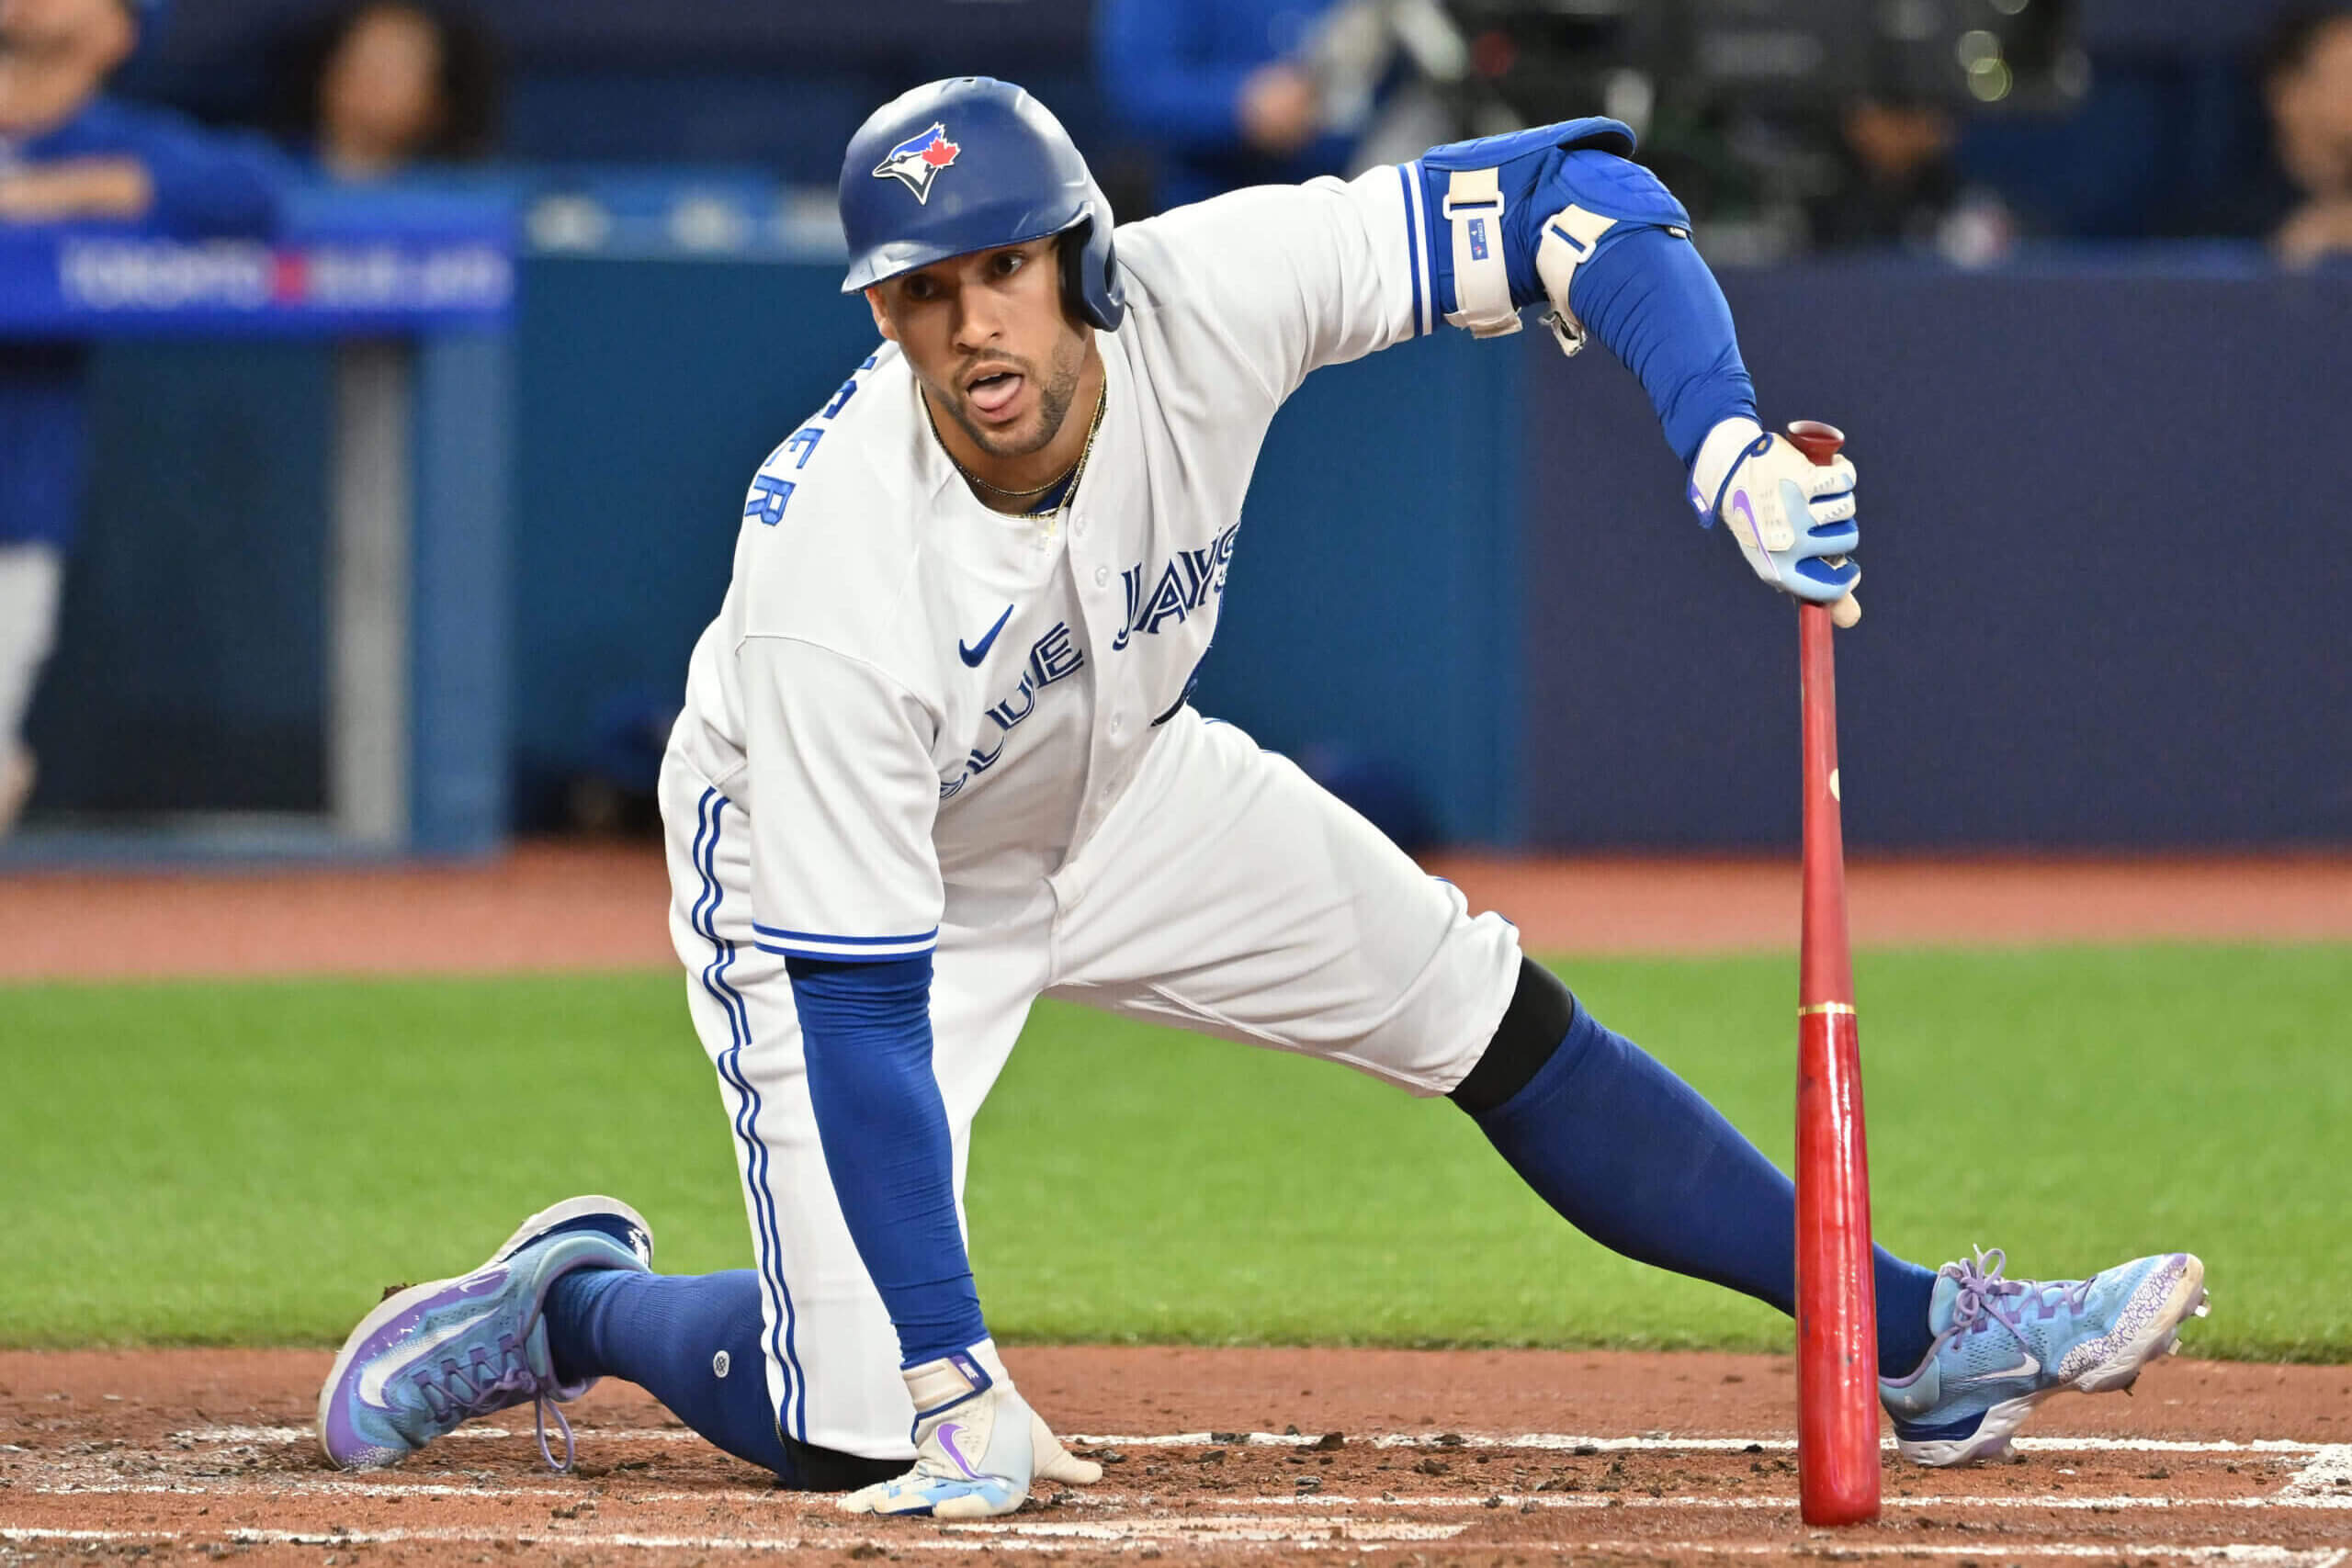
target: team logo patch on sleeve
917 161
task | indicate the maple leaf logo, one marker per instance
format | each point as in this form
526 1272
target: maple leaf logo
917 161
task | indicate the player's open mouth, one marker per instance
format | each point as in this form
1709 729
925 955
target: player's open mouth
993 393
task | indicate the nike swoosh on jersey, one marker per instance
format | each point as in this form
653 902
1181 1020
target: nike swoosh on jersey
2025 1369
972 656
378 1373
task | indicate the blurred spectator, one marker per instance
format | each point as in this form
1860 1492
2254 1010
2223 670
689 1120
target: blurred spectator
2300 197
1899 184
1221 88
70 156
2307 83
388 84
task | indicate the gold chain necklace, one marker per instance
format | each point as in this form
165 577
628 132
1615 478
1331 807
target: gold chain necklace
1070 475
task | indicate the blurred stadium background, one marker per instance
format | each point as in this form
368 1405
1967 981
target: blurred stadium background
399 520
2030 251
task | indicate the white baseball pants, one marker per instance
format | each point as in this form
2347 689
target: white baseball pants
1224 893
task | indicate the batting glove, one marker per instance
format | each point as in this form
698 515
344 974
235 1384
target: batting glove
1793 520
978 1445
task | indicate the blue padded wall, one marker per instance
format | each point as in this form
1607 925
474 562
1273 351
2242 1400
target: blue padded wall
2104 591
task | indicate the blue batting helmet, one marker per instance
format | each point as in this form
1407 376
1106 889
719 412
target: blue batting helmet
968 164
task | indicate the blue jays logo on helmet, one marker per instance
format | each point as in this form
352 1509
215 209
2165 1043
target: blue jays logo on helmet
918 159
1018 177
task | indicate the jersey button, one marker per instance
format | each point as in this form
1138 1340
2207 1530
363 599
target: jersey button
1117 723
1102 576
1078 528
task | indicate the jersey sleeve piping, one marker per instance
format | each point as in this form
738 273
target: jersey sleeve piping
1409 178
842 948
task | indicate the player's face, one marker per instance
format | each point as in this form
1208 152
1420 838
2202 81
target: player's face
989 339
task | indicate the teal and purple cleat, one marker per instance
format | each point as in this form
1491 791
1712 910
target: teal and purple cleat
2004 1346
435 1355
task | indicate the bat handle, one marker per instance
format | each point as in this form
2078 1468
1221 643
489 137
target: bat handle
1817 441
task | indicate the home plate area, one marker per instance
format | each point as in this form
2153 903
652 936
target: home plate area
165 1455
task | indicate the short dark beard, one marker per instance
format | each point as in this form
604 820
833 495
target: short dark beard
1053 398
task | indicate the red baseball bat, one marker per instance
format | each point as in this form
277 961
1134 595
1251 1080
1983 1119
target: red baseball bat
1837 1463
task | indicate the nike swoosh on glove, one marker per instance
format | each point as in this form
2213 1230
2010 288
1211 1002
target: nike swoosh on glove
976 1444
1793 519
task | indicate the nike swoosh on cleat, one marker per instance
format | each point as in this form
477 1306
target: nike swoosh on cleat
382 1372
2028 1368
972 656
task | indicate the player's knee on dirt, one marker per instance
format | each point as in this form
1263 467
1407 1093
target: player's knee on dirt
818 1468
1532 1028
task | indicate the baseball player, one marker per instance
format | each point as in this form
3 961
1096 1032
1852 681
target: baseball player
937 761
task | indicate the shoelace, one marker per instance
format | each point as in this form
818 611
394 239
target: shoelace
1986 1297
450 1390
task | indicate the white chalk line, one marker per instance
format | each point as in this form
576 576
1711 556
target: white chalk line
2261 1556
280 1436
1649 1443
2058 1502
2322 1483
1658 1443
979 1538
2329 1471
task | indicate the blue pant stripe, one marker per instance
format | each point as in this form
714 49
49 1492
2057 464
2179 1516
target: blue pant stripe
739 1027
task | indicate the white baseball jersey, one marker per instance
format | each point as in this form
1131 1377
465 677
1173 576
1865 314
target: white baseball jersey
918 724
952 698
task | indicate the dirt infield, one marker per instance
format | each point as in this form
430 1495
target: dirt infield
550 907
1212 1456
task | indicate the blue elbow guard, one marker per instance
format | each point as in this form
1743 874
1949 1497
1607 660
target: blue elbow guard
1515 215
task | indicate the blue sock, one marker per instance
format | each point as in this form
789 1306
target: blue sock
665 1333
1632 1156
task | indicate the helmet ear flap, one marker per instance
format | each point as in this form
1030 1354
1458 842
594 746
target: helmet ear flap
1090 266
1070 251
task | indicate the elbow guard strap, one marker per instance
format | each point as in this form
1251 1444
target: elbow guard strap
1482 179
1570 236
1472 207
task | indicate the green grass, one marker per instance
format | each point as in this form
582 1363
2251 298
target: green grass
251 1163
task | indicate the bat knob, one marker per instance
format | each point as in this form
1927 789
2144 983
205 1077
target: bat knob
1817 441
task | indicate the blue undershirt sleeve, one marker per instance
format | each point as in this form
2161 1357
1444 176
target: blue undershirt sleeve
1648 297
1644 292
865 1035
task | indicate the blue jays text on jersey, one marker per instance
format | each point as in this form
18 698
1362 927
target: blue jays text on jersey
1054 657
1186 582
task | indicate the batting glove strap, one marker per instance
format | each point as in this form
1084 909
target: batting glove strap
1793 519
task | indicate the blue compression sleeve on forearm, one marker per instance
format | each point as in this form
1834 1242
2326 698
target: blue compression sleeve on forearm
865 1032
1646 295
1644 292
